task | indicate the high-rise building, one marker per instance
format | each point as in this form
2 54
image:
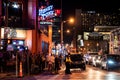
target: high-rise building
86 21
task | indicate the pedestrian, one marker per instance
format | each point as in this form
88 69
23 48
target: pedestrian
51 63
43 62
60 57
67 64
57 64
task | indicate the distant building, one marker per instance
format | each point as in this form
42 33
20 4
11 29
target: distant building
87 21
56 33
114 41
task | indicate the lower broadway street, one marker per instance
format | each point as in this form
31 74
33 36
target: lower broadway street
91 73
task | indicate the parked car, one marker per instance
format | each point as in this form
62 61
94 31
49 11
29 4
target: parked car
110 61
77 61
97 60
90 56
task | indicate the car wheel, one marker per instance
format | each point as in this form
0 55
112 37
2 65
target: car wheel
101 67
84 67
107 68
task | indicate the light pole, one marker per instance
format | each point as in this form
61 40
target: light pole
6 24
62 31
71 20
62 47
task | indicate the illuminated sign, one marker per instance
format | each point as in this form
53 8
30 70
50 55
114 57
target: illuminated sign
49 23
57 12
46 12
13 33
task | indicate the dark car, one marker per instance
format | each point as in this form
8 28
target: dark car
77 61
110 61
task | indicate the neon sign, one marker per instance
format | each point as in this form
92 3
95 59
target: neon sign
46 12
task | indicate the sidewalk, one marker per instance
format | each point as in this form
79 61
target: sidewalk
7 75
12 76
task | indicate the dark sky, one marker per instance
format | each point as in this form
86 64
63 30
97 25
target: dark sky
69 6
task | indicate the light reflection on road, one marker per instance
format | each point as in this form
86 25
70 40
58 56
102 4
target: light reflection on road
97 74
90 74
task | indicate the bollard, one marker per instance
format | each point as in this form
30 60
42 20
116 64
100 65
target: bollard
20 70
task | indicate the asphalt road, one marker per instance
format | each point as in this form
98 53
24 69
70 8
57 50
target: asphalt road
91 73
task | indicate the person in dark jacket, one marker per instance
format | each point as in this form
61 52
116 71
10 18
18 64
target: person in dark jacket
57 64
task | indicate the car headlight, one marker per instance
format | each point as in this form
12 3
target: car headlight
110 62
90 57
98 61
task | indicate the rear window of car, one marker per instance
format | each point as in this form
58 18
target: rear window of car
114 57
93 53
76 57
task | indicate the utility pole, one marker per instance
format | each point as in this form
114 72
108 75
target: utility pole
6 25
6 18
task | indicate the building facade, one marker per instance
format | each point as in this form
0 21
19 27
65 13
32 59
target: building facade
115 41
25 25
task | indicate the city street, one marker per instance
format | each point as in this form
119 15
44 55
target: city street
91 73
38 36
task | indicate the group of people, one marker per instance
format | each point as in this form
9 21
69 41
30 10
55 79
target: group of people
54 62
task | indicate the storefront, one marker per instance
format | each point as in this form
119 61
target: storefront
16 37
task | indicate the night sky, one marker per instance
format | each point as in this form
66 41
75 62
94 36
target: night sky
69 6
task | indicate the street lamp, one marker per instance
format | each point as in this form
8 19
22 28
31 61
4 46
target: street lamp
71 20
68 31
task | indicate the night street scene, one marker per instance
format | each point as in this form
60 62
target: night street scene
59 40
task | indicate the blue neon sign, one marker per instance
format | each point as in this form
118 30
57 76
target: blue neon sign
46 12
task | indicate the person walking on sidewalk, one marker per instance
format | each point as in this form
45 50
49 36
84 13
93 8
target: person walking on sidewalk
57 64
51 63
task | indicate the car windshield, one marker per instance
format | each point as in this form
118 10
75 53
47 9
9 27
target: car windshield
114 57
76 57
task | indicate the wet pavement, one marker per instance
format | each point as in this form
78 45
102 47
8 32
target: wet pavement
91 73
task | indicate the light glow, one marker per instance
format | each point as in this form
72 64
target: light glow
15 5
110 62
